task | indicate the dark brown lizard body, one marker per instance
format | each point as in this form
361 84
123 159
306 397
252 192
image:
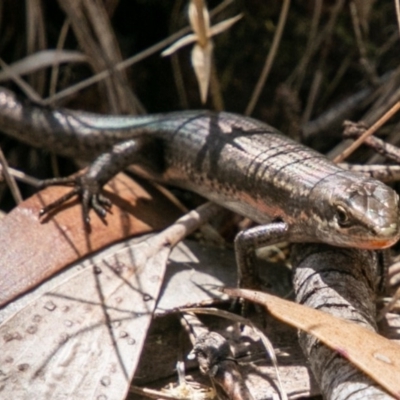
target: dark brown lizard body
238 162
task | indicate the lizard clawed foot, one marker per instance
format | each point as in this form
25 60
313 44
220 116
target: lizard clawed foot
87 188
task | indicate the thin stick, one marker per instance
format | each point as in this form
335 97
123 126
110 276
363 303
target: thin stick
128 62
270 59
202 39
56 67
24 86
397 5
22 177
296 78
312 97
367 133
10 179
364 61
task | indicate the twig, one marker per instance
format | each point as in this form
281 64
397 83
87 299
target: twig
25 87
319 39
56 67
367 133
126 63
389 306
384 173
270 59
331 120
389 95
176 69
387 150
369 69
30 180
397 4
202 36
36 39
316 84
333 84
215 89
10 179
93 31
312 42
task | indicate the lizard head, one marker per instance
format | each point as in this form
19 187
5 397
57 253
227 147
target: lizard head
357 212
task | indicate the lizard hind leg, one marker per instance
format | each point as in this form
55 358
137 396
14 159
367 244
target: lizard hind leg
86 188
88 185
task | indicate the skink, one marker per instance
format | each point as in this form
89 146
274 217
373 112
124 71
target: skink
240 163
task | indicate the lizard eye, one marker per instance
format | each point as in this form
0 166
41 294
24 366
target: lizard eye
342 217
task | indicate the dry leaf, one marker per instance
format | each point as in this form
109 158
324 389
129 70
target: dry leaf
42 59
375 355
80 335
201 61
28 243
83 338
202 51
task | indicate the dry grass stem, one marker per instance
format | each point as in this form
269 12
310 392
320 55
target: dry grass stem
270 58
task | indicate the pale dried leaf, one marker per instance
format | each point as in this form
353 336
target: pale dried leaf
202 51
42 59
188 39
224 25
80 335
25 257
194 19
201 61
82 338
375 355
194 276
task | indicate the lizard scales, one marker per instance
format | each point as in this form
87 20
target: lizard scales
238 162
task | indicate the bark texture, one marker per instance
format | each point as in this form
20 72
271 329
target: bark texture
342 282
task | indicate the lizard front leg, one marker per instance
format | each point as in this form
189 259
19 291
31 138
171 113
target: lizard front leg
246 244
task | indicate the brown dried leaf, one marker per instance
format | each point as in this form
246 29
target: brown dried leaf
33 249
375 355
81 333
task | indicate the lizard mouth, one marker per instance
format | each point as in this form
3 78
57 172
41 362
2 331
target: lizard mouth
376 244
382 238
